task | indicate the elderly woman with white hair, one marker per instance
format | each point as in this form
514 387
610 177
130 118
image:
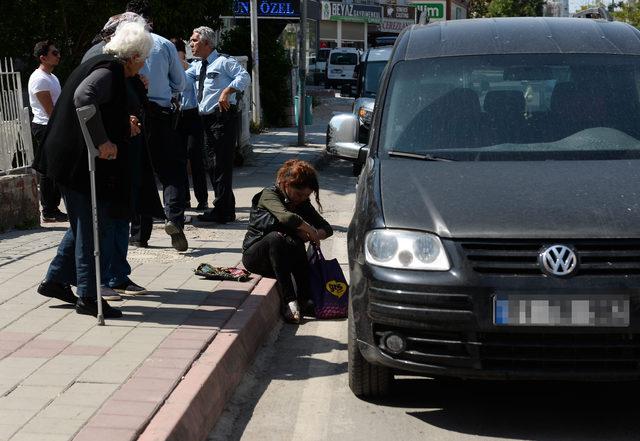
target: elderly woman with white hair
100 81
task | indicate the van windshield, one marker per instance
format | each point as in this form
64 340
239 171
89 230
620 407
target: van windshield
515 107
372 77
344 58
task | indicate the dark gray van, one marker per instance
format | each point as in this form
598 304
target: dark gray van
497 225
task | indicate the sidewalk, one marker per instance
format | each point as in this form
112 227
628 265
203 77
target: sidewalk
164 370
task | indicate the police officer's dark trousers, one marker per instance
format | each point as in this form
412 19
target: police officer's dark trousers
191 133
169 159
219 148
49 192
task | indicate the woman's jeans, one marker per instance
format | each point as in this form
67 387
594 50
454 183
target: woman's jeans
280 256
74 263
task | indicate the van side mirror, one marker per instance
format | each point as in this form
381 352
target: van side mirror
342 136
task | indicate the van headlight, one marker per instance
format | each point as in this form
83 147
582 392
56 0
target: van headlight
405 250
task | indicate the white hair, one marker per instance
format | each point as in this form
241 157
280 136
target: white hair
206 35
130 39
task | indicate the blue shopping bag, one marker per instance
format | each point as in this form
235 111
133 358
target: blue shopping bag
329 288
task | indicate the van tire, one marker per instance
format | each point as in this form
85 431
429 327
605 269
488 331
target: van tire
365 379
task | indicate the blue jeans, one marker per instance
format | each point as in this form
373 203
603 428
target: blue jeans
74 263
117 240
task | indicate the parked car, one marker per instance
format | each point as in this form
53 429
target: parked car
368 74
340 67
499 239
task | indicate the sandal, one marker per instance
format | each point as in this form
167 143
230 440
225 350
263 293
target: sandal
292 313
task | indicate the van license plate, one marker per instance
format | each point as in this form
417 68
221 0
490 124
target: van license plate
561 310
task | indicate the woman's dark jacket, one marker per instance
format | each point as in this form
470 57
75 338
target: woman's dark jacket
63 155
271 211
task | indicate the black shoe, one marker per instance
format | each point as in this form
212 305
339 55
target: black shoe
202 206
209 217
88 306
57 291
308 308
178 241
56 216
138 244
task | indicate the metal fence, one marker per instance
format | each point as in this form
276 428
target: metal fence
16 149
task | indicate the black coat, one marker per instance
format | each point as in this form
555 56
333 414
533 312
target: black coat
63 154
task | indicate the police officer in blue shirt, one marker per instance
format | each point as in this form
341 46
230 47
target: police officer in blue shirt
166 76
217 78
191 134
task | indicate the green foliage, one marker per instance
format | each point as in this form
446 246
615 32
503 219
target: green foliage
478 8
72 24
274 68
628 13
515 8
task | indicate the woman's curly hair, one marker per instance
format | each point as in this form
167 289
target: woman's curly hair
299 174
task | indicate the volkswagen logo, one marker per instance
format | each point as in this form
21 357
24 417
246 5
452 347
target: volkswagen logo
558 260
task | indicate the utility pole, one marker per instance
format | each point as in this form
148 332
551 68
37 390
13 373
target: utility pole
255 86
302 71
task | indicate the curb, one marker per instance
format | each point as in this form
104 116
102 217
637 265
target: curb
193 408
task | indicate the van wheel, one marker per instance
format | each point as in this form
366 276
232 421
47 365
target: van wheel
365 379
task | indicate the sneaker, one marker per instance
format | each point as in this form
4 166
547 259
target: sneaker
292 312
57 291
178 241
109 294
139 244
130 288
57 216
88 306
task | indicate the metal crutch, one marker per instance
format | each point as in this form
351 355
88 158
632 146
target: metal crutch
85 113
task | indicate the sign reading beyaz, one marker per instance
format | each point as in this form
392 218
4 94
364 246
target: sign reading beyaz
350 12
285 8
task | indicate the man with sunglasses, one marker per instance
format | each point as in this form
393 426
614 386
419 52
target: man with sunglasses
44 90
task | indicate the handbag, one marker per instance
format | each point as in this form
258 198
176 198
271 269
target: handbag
329 288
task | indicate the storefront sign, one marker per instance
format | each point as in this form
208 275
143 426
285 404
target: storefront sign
350 12
285 8
399 12
395 18
435 10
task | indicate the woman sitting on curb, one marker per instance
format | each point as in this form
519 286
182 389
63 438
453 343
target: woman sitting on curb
282 219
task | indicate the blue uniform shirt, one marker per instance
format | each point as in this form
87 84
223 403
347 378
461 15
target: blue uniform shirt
188 97
222 72
164 70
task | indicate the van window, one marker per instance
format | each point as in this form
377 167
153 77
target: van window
515 107
343 59
372 77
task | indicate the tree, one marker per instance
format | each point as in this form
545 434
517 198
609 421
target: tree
628 13
275 66
72 25
478 8
515 8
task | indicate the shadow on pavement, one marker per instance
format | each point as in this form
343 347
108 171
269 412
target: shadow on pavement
519 410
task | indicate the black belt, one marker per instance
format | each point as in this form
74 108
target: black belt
156 110
189 112
217 113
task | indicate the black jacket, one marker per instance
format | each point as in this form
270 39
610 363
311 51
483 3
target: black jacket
273 213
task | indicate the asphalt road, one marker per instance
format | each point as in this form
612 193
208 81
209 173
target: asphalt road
297 388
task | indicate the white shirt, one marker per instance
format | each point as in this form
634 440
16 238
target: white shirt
40 81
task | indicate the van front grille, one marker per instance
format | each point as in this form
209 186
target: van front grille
520 257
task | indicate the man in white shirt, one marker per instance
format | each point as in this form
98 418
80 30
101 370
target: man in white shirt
44 90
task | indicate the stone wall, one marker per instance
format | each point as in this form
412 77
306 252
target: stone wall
19 207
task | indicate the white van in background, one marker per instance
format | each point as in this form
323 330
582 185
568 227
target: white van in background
341 65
